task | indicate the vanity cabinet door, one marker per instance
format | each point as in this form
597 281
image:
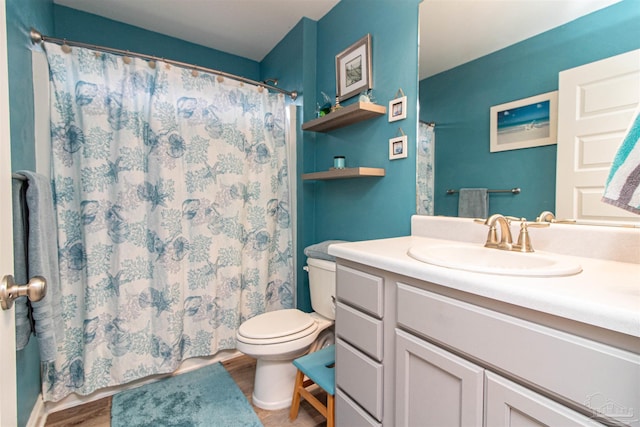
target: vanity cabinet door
509 404
434 387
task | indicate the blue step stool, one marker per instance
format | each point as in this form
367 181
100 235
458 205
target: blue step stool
319 369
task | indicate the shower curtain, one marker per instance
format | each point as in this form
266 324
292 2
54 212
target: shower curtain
425 169
172 205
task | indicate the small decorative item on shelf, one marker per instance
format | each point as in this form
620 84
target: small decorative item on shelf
326 106
367 96
337 106
338 162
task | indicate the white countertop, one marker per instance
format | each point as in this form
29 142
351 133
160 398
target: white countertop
605 294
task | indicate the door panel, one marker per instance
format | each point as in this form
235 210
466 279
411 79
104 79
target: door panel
596 106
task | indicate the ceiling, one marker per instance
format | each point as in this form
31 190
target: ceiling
452 32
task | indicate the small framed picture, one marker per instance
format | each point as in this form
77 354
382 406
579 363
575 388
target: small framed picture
529 122
398 109
353 69
398 147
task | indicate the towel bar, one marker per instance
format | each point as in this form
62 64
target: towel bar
515 190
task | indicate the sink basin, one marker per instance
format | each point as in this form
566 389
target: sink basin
494 261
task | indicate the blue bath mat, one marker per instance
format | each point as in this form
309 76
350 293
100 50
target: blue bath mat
204 397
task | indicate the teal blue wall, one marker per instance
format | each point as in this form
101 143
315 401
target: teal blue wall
366 208
293 61
21 16
458 101
352 209
80 26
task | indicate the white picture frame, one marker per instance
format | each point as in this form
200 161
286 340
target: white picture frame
398 109
398 147
528 122
353 69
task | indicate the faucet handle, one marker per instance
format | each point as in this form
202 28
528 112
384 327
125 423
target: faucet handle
546 216
538 224
524 240
492 235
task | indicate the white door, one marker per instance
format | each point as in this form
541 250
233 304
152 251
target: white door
595 107
8 406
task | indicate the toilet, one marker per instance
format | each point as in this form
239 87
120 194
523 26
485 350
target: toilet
275 338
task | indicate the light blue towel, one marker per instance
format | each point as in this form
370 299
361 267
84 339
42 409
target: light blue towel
42 260
24 325
321 250
623 184
473 203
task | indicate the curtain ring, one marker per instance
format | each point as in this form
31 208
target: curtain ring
65 47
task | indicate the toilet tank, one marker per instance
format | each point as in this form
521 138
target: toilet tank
322 286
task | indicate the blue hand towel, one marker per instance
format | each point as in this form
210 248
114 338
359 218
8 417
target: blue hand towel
623 184
24 325
321 250
42 260
473 203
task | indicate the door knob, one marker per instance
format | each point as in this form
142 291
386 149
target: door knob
35 290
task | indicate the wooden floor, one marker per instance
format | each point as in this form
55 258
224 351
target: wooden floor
242 370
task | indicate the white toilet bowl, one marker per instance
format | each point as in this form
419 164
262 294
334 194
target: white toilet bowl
292 334
277 337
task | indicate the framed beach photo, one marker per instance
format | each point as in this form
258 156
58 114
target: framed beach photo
353 69
398 109
529 122
398 147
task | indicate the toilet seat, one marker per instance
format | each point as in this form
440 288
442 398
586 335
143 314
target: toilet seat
277 327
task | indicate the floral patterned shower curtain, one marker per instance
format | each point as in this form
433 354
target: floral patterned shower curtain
425 169
171 196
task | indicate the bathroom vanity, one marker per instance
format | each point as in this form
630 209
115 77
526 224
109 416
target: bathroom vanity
420 344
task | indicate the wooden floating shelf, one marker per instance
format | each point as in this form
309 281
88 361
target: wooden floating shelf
345 173
345 116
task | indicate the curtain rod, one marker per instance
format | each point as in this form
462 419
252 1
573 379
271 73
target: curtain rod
37 38
431 124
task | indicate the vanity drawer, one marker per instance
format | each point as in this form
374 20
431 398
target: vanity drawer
360 378
579 370
348 413
361 331
360 289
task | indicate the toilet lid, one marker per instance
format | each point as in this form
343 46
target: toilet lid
275 324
